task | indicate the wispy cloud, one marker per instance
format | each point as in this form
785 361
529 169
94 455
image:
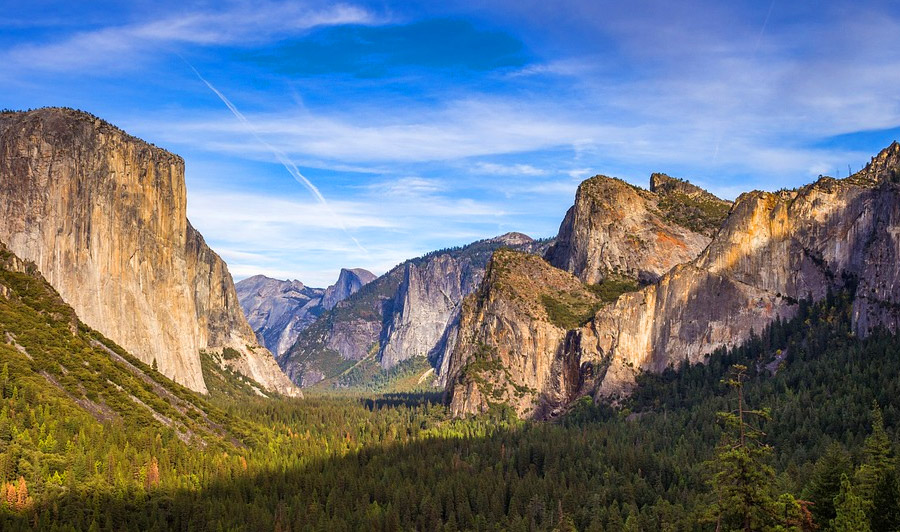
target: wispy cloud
115 47
508 169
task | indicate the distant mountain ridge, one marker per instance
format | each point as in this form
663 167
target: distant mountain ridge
278 311
408 313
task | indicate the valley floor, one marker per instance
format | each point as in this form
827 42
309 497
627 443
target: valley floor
399 462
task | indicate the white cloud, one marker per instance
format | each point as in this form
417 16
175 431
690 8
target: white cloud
457 129
580 173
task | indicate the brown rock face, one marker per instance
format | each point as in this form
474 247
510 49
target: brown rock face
103 215
511 345
617 228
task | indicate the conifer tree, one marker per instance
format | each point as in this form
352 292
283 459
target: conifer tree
850 510
825 483
22 498
877 459
742 476
153 473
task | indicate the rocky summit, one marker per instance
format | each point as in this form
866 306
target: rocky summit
349 282
617 228
103 216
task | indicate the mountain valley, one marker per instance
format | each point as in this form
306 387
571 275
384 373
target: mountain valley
586 381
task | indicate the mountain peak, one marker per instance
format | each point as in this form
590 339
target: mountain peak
665 184
349 282
66 122
513 239
883 167
362 274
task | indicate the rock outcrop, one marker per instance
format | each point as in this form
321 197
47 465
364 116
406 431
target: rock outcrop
774 249
103 216
349 282
511 347
617 228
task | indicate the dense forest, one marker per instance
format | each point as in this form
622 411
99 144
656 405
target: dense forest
795 430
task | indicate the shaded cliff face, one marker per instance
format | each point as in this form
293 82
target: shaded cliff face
102 214
511 345
349 282
618 228
278 310
406 313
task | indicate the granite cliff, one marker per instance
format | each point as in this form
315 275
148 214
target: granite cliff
511 346
617 228
349 282
278 310
773 250
103 216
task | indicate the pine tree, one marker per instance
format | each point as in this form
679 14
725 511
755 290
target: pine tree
877 460
10 494
742 477
153 473
4 380
850 510
825 483
885 509
22 499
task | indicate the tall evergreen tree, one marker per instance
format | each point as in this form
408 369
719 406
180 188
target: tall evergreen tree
825 483
742 477
850 510
877 459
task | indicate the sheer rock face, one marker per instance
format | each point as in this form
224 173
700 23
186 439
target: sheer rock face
426 304
278 310
773 250
426 309
508 349
616 227
103 215
349 282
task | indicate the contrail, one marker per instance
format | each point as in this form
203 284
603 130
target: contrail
755 51
282 158
763 29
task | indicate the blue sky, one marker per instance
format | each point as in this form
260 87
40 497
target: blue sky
423 125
